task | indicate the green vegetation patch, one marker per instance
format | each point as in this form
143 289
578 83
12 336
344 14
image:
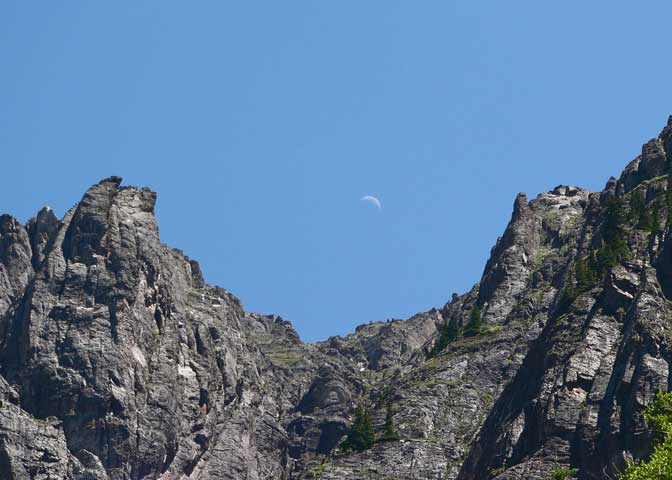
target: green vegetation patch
658 417
589 270
450 331
490 330
437 382
316 472
286 357
646 183
562 473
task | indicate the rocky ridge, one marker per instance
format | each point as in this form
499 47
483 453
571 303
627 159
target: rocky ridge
118 361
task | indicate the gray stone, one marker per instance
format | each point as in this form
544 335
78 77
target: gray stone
118 361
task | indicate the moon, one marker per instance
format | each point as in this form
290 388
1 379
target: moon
372 200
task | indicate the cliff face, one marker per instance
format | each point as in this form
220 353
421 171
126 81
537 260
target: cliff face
118 361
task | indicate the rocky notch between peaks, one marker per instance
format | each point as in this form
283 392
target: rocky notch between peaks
119 362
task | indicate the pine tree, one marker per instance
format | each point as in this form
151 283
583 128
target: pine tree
475 326
655 219
614 220
615 247
361 436
369 435
607 257
389 433
449 333
594 265
567 295
586 277
645 220
452 331
637 205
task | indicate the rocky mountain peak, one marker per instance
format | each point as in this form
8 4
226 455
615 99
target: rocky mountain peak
653 162
119 362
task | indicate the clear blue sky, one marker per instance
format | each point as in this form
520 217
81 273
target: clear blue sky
261 124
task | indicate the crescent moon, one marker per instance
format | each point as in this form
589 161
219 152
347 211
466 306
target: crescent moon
372 200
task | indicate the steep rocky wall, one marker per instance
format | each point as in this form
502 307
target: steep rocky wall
118 361
579 394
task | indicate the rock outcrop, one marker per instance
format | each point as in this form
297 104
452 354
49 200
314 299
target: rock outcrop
118 361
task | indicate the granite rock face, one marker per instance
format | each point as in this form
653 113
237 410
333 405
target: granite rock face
118 361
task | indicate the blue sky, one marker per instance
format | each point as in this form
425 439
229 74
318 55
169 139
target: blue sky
262 124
